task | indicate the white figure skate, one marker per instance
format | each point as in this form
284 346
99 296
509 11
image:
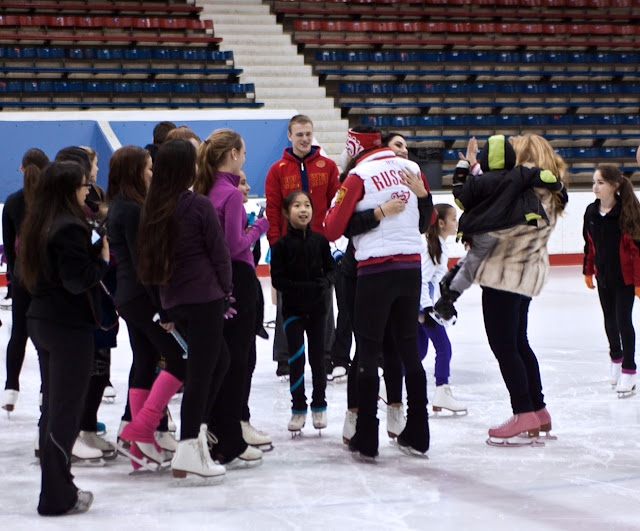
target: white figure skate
319 419
626 385
10 398
349 427
443 399
256 438
296 424
615 370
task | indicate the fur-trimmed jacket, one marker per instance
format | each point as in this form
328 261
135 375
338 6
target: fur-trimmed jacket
519 263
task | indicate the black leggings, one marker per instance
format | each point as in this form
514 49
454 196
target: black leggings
19 335
240 339
505 321
66 355
617 306
387 304
148 341
201 325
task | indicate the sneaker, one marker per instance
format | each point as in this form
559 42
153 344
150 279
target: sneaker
297 421
396 421
615 370
349 427
319 419
83 503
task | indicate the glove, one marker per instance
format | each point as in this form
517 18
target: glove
637 291
444 307
229 312
588 280
428 320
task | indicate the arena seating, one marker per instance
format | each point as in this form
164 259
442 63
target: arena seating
440 71
114 54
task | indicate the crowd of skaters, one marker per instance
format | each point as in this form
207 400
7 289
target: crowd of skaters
170 249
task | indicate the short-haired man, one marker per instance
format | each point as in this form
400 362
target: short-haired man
301 167
160 132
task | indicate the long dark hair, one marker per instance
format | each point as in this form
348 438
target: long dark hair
174 171
126 168
33 162
211 156
433 234
630 206
76 154
55 195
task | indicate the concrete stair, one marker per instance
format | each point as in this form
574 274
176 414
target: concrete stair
271 62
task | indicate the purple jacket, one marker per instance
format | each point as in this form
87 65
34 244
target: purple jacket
203 267
227 200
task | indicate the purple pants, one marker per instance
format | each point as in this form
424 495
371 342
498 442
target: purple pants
440 340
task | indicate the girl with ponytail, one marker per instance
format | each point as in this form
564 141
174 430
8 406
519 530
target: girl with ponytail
612 239
15 207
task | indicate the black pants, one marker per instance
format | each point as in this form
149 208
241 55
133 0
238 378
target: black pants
202 326
148 342
66 355
617 305
505 321
19 335
240 338
341 350
387 304
97 382
391 363
295 327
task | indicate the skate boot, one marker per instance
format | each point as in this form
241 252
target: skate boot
626 385
82 453
166 441
545 423
83 503
507 433
319 420
109 395
443 399
91 439
364 443
338 374
349 428
250 458
414 439
256 438
9 400
297 422
193 459
396 421
615 370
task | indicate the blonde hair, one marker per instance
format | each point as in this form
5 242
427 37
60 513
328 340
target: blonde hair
536 151
183 133
299 119
211 156
92 153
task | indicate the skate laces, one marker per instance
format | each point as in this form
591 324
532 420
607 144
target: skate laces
211 439
255 431
507 422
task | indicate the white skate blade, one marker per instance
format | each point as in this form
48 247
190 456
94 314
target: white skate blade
241 464
626 394
195 480
515 442
109 399
263 447
76 461
144 463
146 472
295 433
408 450
284 378
446 413
361 458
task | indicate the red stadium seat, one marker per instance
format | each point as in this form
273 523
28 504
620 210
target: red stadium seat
360 26
621 3
384 26
118 22
89 22
578 29
576 3
620 29
509 27
8 20
531 3
554 29
598 3
61 22
483 27
409 27
434 27
195 24
145 23
459 27
531 28
307 25
173 23
602 29
332 25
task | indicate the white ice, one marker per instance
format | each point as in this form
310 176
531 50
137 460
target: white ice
589 479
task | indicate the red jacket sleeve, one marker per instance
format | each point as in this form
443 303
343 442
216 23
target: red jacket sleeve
338 216
273 194
629 260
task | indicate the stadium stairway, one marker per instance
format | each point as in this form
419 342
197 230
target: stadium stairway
270 61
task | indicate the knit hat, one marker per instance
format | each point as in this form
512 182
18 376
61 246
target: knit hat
359 142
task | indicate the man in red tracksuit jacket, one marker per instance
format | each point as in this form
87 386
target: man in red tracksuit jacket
301 167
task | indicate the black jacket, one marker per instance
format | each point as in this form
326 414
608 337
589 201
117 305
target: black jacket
12 216
503 196
67 291
302 268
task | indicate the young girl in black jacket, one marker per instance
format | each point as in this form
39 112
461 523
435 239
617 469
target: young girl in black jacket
612 236
62 269
303 270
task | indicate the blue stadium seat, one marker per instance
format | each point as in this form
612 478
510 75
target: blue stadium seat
560 120
483 88
450 154
628 57
484 57
79 53
459 56
508 120
426 57
127 87
632 88
632 119
158 87
484 120
346 88
184 88
11 86
509 57
241 88
556 57
559 88
430 121
137 53
457 120
381 88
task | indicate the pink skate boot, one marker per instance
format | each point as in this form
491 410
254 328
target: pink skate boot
507 433
545 424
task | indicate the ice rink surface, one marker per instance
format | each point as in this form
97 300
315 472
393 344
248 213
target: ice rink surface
589 479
